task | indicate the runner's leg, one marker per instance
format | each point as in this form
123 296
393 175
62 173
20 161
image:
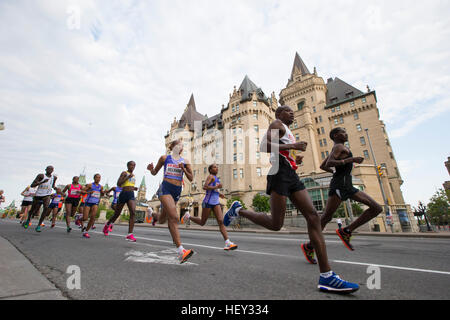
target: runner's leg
374 210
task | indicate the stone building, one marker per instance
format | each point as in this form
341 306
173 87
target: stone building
231 139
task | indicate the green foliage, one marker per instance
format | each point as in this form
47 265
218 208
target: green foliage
439 207
109 214
233 199
261 203
125 218
340 212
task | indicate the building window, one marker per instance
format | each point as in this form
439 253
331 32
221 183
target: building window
320 118
336 121
235 173
391 155
295 125
327 153
204 170
235 157
323 155
241 156
352 104
233 109
383 165
256 127
234 143
318 131
297 137
321 144
258 155
341 119
358 127
314 109
363 141
237 107
323 130
255 103
317 121
241 173
366 154
387 143
333 110
300 105
234 131
257 141
240 143
325 142
397 172
255 116
364 100
356 116
338 108
258 172
240 130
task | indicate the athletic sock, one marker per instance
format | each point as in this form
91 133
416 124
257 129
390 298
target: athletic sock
326 274
180 249
227 242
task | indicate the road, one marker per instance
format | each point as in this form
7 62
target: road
266 266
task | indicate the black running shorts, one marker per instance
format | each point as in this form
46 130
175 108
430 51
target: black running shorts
285 182
73 201
343 192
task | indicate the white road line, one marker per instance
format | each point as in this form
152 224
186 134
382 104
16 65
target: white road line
391 267
289 256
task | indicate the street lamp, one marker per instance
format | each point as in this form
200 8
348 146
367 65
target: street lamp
421 211
386 204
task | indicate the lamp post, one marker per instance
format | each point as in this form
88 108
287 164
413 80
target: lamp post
386 204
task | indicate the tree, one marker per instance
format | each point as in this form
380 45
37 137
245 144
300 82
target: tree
439 206
261 203
340 212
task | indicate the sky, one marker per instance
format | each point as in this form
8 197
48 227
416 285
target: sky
89 85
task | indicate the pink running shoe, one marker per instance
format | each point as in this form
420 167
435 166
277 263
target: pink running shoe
106 230
111 227
86 235
131 238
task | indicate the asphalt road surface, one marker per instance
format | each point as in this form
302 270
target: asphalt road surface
266 266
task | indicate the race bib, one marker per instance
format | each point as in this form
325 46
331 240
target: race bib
95 194
75 192
174 170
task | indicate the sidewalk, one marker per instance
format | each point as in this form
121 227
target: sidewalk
292 230
20 280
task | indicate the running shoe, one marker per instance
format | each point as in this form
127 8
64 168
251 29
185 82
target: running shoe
94 227
185 218
86 235
26 225
69 229
77 221
154 221
38 229
336 284
42 224
231 213
345 237
309 254
30 224
185 255
131 238
230 247
106 229
111 226
53 225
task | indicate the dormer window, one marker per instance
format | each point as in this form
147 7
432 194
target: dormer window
300 105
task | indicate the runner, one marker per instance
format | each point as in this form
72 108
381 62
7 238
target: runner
116 193
54 205
94 191
2 198
169 193
126 182
341 189
28 195
80 208
211 202
283 182
44 183
72 199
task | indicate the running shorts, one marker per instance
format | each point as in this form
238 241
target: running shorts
285 182
125 196
168 188
53 206
343 192
73 201
26 203
209 206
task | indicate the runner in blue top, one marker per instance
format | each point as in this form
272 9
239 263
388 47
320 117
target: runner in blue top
174 169
53 207
94 191
116 192
211 202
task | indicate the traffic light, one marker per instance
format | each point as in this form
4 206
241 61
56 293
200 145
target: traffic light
380 171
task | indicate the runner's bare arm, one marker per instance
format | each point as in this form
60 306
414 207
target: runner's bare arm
334 159
188 171
39 180
123 177
65 189
324 167
154 170
206 186
275 131
54 182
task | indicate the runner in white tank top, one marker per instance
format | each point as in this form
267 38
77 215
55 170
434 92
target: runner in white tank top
44 183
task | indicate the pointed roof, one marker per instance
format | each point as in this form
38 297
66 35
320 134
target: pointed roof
143 182
248 87
300 65
338 91
190 115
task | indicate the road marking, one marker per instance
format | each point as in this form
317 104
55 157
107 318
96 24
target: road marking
392 267
168 256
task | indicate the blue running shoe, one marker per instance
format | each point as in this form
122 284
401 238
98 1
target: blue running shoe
337 285
38 229
231 213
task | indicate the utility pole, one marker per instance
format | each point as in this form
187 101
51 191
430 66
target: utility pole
386 204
